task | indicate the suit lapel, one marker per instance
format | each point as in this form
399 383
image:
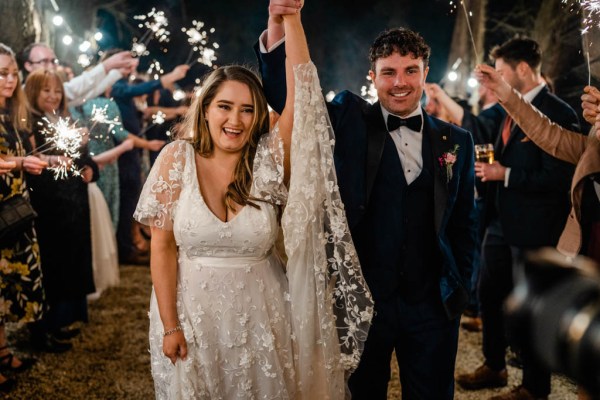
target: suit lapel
537 100
441 142
376 134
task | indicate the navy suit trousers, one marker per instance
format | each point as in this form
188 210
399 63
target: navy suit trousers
425 342
496 283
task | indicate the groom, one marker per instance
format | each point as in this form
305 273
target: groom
407 182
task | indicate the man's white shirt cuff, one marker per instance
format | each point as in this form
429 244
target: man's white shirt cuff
506 176
263 39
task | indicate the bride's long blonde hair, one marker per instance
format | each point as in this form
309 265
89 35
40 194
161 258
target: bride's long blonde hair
196 127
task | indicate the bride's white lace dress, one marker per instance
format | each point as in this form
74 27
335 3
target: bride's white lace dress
253 332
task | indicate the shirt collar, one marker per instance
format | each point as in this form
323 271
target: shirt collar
529 96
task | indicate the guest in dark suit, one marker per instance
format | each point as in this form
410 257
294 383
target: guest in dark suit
581 234
527 205
407 182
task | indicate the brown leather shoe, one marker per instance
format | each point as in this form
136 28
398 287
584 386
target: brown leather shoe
517 393
472 324
483 377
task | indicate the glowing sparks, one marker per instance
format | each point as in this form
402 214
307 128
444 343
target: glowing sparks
368 92
179 95
591 19
64 137
591 12
155 23
158 118
155 70
99 116
83 60
198 39
139 49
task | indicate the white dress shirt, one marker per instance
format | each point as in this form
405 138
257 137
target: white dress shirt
529 96
409 144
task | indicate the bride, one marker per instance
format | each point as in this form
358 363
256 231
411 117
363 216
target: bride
227 318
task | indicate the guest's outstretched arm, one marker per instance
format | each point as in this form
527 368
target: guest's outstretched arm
555 140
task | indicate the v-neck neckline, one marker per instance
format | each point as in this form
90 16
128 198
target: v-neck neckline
199 192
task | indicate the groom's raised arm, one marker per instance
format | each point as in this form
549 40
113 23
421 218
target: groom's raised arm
270 52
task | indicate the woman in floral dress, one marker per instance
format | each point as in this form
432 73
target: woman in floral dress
21 292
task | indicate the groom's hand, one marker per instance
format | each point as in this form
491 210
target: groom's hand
279 8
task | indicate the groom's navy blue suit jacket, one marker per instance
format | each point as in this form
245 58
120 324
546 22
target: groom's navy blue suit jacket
360 135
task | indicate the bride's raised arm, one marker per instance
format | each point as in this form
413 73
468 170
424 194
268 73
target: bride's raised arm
297 53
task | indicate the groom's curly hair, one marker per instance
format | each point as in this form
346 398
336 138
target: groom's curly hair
402 41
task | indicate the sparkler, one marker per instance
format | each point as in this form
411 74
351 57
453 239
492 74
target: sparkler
158 118
64 137
83 60
369 92
198 39
179 95
468 14
591 18
99 116
155 68
155 23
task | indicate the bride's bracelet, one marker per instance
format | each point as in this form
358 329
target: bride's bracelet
172 331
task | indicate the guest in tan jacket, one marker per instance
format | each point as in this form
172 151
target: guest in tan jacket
581 234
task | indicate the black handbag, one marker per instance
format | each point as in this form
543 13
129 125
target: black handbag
16 215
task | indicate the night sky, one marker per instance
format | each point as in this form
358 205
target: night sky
339 32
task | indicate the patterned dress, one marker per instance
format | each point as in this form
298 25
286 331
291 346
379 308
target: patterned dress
103 138
21 291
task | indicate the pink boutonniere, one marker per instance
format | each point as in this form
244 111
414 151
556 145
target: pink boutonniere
447 161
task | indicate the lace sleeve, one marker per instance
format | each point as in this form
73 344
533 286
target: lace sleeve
158 201
267 177
331 303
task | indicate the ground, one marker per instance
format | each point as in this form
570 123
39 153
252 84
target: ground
110 359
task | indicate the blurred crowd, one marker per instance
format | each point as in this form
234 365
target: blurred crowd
54 261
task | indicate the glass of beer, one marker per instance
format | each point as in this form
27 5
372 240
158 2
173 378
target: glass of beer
484 153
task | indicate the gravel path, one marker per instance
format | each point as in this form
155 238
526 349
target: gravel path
110 359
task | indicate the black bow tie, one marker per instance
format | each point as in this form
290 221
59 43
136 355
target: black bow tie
412 123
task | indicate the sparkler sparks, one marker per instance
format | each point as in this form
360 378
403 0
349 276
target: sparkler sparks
155 70
591 19
83 60
64 137
139 49
155 23
99 115
158 118
369 92
198 39
179 95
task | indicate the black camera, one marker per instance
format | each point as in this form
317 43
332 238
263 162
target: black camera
555 310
